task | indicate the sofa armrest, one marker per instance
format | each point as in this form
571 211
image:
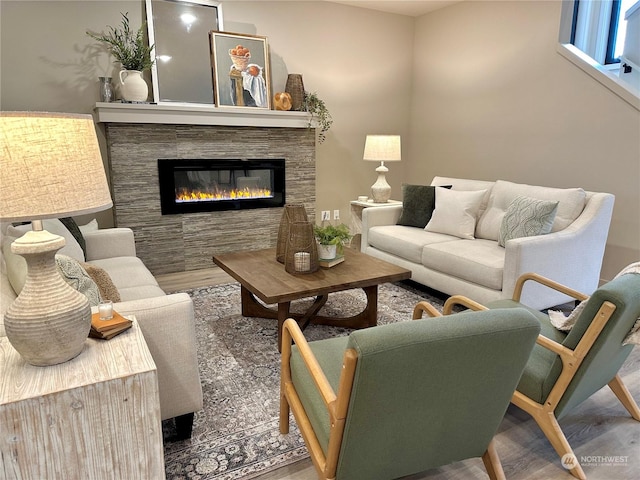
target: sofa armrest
377 216
168 325
109 243
572 257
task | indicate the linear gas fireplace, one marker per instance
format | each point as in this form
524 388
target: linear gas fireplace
189 186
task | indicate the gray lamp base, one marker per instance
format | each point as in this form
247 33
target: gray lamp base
49 321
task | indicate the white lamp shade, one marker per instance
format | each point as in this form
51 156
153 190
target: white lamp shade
382 148
50 167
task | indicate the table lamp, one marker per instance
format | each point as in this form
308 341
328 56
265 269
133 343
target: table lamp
50 167
382 148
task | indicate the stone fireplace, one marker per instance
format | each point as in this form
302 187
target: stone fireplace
138 136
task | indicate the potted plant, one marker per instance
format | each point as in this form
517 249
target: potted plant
331 239
318 110
128 47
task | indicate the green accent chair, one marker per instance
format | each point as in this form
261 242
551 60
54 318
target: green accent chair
565 369
399 399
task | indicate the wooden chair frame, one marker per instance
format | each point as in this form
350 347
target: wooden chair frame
337 404
544 414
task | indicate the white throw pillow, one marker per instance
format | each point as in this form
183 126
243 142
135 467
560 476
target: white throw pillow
455 213
71 248
15 265
92 226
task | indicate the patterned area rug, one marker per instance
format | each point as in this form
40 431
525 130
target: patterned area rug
236 434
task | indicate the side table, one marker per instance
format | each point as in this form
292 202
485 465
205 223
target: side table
356 218
95 416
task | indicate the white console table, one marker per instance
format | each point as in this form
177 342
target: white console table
95 416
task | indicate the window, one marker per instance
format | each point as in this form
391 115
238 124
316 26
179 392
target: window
592 37
599 28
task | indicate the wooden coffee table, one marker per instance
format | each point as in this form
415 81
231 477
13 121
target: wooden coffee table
262 276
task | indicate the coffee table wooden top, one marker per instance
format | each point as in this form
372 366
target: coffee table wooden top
260 273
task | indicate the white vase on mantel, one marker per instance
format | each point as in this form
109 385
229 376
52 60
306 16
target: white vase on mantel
133 87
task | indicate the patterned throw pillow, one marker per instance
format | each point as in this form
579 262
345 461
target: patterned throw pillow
526 217
73 273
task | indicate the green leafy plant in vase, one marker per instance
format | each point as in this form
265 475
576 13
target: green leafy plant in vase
331 239
129 48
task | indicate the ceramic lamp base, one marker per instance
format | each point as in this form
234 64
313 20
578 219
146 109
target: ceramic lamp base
49 321
381 190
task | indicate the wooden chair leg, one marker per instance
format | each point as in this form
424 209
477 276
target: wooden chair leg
492 462
284 414
551 429
623 394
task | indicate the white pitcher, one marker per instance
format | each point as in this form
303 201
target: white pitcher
132 86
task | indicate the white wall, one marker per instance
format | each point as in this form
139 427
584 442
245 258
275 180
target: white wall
494 100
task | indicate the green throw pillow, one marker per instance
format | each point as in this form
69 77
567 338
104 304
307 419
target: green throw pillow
73 228
418 202
526 217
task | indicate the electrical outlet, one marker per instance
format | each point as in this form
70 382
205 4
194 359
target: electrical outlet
325 215
336 214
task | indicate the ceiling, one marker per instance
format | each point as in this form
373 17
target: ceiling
412 8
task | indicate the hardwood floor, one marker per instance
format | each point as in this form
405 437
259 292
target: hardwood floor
601 432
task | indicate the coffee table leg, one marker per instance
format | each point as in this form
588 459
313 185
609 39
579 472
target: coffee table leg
367 318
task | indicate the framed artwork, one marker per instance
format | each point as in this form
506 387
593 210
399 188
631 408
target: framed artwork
240 64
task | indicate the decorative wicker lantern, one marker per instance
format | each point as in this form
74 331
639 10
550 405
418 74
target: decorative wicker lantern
294 212
302 253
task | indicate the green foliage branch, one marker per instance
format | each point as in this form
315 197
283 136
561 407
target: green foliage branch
319 111
126 45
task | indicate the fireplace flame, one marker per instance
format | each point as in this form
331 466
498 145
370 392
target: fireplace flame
186 195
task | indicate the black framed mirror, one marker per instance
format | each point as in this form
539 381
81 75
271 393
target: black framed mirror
179 29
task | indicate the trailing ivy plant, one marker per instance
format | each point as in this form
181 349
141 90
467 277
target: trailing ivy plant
318 110
126 45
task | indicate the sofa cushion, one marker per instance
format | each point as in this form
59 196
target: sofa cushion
478 261
418 202
455 212
404 242
131 277
571 202
527 217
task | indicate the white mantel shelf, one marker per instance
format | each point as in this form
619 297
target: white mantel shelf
197 114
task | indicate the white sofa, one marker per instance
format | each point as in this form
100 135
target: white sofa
167 321
479 267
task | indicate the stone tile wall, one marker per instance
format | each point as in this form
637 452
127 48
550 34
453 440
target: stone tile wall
174 243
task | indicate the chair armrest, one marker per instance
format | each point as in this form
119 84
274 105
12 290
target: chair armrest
291 331
375 217
425 307
461 300
517 292
167 323
109 243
